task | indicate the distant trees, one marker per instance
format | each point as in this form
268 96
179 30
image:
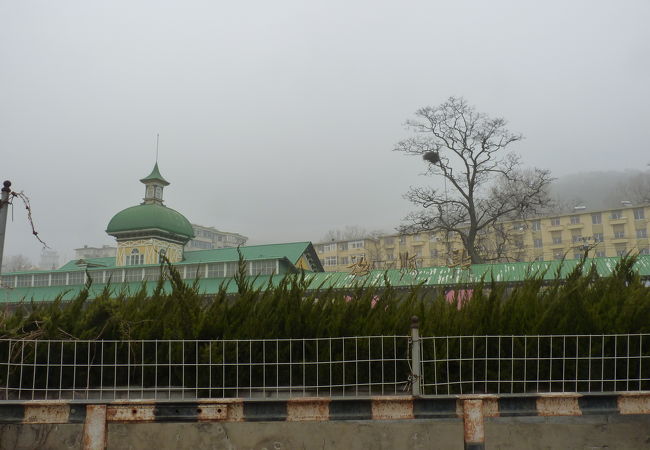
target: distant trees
637 188
16 263
351 232
485 183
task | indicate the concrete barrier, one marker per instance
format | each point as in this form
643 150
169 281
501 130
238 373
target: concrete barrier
567 420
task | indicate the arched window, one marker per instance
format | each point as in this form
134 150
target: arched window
135 258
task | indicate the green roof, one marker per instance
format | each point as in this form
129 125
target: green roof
430 276
150 216
155 176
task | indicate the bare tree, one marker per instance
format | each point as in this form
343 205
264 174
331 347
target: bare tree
17 263
637 188
351 232
484 182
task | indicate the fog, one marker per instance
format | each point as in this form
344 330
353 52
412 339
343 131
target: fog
277 119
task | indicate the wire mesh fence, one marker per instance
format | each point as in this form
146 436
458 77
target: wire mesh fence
535 364
170 369
333 367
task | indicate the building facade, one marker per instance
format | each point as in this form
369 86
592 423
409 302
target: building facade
207 238
602 233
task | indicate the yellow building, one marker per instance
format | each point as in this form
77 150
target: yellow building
611 232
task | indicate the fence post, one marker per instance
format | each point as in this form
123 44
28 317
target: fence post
415 356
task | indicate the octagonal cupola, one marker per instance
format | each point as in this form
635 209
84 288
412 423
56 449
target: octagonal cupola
146 231
154 184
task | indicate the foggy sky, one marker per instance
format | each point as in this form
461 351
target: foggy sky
277 119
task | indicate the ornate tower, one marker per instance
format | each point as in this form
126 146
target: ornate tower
149 230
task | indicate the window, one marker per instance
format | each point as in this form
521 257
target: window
434 253
356 244
536 225
575 220
557 237
329 248
232 267
433 237
389 241
41 279
329 261
193 271
76 278
619 231
639 214
555 221
618 214
518 226
644 251
152 273
133 275
390 256
621 251
24 280
417 237
641 233
357 258
577 255
596 218
135 258
161 255
600 253
265 267
215 270
418 252
598 237
539 258
115 276
8 281
576 238
402 240
558 254
537 243
344 260
343 246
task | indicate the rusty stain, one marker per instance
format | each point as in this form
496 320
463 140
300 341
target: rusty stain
130 413
212 412
490 407
566 405
634 404
47 413
236 411
306 409
473 421
94 437
392 408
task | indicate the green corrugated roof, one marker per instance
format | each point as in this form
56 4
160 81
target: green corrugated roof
155 176
430 276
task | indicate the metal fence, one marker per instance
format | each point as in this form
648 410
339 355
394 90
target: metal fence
333 367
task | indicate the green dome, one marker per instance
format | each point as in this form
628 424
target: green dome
150 216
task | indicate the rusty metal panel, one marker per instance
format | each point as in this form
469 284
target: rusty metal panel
212 412
306 409
94 434
236 411
490 407
634 403
473 425
558 405
44 413
392 408
131 413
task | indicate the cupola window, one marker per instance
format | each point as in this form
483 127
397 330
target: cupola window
135 258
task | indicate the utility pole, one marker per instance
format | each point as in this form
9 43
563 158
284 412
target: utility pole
4 206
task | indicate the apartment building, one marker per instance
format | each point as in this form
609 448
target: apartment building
206 238
603 233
